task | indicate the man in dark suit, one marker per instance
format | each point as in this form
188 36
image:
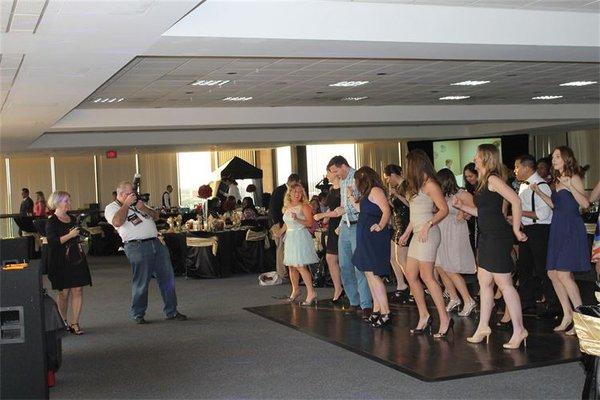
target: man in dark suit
276 220
26 208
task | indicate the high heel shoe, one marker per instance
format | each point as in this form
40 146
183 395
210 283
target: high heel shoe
76 329
512 346
294 298
425 329
453 304
443 335
562 328
309 303
478 336
382 320
339 299
374 317
401 296
467 309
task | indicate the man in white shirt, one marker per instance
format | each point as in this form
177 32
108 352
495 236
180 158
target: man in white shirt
536 219
134 221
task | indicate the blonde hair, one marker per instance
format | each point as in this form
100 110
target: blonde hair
57 197
288 195
490 157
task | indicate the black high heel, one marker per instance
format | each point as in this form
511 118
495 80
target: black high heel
339 298
425 329
401 296
504 325
374 317
444 335
382 320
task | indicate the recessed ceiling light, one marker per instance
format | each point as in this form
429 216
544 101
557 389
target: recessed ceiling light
578 83
237 98
454 97
551 97
470 83
349 83
217 82
108 100
354 98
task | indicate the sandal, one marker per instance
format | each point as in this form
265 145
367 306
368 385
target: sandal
76 329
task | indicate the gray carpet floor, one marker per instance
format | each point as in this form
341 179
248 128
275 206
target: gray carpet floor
224 352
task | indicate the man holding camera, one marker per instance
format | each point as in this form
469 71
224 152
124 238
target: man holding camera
134 221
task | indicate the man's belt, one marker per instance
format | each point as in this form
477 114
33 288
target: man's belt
140 240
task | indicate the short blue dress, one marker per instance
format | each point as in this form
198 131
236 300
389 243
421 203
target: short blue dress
299 246
372 248
568 248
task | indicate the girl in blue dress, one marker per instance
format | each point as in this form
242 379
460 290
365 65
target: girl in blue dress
567 244
299 247
372 254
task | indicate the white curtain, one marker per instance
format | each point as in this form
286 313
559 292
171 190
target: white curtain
264 161
32 172
111 172
546 142
75 174
159 170
377 154
586 146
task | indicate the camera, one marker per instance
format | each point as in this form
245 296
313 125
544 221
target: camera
324 185
83 232
137 180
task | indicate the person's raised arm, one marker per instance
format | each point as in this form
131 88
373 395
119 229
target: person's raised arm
377 196
499 186
308 215
121 215
547 199
574 184
433 190
465 198
595 195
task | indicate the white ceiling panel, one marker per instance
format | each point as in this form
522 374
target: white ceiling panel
306 82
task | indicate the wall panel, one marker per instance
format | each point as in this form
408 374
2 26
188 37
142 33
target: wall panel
159 170
111 172
32 172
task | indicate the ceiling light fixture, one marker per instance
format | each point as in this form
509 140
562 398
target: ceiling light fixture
578 83
237 98
217 82
354 98
470 83
551 97
454 97
108 100
349 83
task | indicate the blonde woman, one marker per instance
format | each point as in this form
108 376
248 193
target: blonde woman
495 243
67 266
299 247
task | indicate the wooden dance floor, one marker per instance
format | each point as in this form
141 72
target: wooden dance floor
422 356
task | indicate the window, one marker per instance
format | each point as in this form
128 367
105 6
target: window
284 164
317 158
193 169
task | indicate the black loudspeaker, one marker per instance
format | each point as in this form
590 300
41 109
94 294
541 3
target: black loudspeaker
16 248
22 341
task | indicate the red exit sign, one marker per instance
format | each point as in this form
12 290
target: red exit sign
111 154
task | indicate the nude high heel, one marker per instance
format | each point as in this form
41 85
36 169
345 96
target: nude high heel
478 336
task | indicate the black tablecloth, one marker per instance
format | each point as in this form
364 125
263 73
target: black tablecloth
234 255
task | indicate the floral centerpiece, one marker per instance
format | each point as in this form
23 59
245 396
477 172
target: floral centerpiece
204 192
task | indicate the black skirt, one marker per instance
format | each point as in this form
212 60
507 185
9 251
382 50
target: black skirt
332 238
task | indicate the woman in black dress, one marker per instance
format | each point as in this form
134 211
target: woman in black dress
495 243
470 177
333 221
67 266
400 219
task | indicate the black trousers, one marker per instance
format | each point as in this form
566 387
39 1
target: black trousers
533 277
